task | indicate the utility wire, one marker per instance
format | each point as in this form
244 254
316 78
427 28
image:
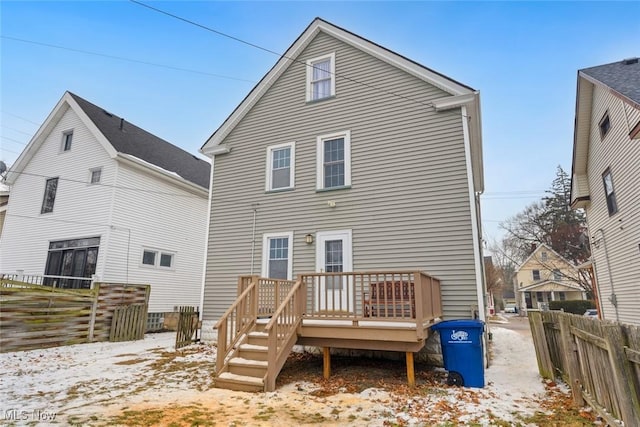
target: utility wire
279 55
12 140
15 115
121 187
127 59
16 130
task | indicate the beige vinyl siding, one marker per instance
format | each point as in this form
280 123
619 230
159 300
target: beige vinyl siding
408 207
80 209
160 216
621 230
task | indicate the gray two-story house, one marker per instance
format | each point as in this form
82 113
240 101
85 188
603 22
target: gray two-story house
346 164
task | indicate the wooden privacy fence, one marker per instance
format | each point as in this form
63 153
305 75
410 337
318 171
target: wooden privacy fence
35 316
128 322
600 360
188 322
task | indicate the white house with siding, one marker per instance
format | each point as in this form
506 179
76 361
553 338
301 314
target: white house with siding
95 197
606 181
347 156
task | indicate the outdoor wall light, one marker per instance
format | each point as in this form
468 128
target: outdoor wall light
308 239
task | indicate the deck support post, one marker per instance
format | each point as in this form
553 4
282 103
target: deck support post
326 362
411 375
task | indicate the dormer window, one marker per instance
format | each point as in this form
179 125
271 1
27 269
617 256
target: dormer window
321 78
605 125
67 138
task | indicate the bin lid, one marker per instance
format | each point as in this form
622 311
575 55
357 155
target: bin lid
459 324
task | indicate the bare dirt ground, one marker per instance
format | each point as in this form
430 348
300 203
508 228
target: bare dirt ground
148 383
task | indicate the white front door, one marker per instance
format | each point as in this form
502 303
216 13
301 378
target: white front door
333 255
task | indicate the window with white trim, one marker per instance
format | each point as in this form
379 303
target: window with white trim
334 161
67 138
95 175
281 160
610 194
157 258
557 275
277 255
536 274
321 77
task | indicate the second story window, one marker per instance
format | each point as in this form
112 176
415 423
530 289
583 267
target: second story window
605 125
536 274
321 80
612 206
334 161
557 275
543 256
49 198
67 138
280 166
95 175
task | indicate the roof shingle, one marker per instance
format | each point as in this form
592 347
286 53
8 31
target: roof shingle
622 76
137 142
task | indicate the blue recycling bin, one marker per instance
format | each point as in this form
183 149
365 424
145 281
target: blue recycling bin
462 351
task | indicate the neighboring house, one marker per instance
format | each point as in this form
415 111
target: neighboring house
347 142
606 181
94 197
546 276
4 200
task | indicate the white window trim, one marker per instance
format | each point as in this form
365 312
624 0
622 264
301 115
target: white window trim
332 71
347 250
292 174
265 252
320 159
64 139
159 253
91 171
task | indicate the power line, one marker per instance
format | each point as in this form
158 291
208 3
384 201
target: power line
17 116
12 140
120 187
16 130
127 59
280 55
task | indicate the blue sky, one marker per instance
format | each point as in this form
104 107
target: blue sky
522 56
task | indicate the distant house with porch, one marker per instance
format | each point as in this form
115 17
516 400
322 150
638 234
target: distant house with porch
606 182
546 276
94 197
346 163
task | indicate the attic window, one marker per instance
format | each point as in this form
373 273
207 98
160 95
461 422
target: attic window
605 125
321 78
67 138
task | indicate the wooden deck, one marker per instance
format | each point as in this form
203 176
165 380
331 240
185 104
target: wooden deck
361 310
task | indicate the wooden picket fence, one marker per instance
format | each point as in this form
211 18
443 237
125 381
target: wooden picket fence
35 316
188 323
599 360
128 322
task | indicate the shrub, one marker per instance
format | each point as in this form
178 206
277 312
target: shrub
572 306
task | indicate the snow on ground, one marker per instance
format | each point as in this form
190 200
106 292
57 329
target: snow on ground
90 384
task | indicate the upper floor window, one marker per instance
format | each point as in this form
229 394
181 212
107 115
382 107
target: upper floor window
543 256
605 125
610 194
334 161
321 78
557 275
67 138
536 274
49 198
157 258
281 166
95 175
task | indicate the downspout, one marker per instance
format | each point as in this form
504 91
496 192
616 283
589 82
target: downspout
613 298
253 235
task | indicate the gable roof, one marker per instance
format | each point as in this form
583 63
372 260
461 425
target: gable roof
121 139
538 249
461 95
622 79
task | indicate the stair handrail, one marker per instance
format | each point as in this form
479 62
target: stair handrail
224 348
279 342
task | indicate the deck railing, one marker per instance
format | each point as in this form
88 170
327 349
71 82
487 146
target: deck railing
237 320
399 296
282 331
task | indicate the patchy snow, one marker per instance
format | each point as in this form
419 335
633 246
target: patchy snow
89 384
